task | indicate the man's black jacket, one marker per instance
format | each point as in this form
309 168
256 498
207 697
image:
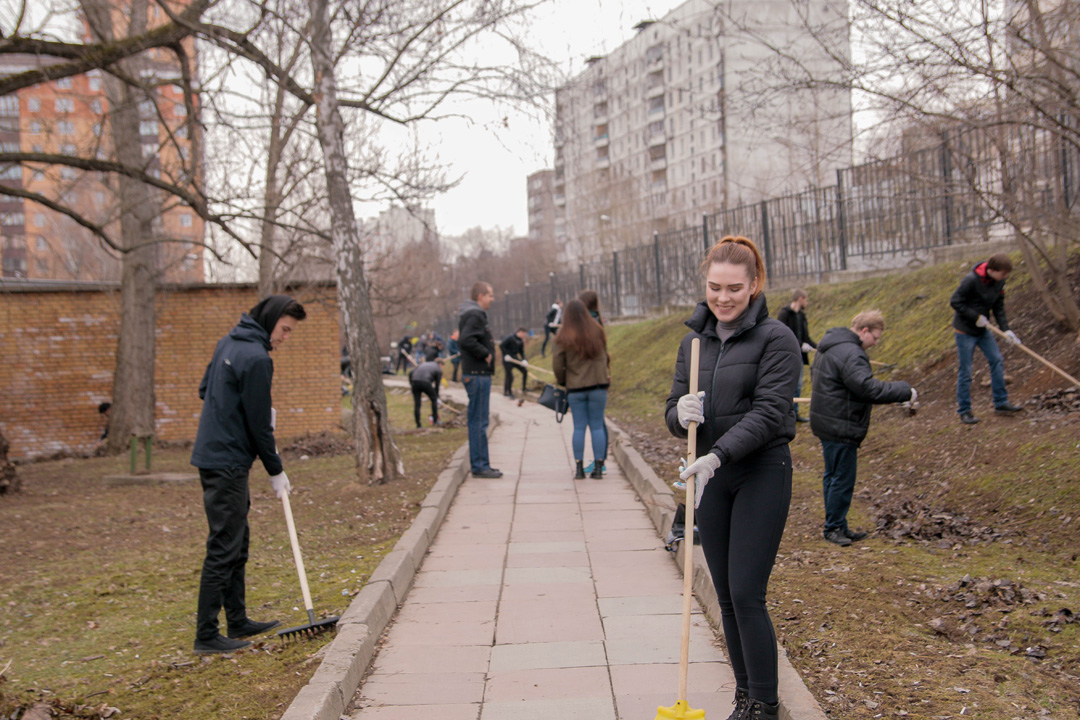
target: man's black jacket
845 388
749 382
234 426
796 320
477 343
978 294
512 346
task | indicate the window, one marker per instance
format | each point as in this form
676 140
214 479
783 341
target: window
11 172
96 129
64 83
147 108
9 106
148 127
185 219
99 198
180 110
68 173
181 132
149 150
12 218
65 105
68 149
42 246
37 175
35 127
43 265
95 79
33 105
37 148
95 106
65 127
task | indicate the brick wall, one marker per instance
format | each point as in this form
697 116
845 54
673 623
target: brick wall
58 354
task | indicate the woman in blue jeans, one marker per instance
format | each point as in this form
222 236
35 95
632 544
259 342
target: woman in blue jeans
581 364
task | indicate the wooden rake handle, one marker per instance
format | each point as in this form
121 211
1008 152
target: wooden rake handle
295 542
1038 357
688 533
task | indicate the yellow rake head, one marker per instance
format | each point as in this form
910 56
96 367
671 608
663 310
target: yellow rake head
679 711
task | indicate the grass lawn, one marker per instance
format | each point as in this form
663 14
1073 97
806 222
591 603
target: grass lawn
99 583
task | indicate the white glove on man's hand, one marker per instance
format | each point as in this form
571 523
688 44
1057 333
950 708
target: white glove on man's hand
983 321
1012 337
691 409
806 347
280 483
525 362
273 419
702 469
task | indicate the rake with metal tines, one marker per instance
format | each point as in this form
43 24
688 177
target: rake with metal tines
314 627
681 710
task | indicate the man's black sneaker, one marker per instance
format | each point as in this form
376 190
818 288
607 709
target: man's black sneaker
800 418
838 537
853 536
968 419
252 627
219 644
491 473
1007 409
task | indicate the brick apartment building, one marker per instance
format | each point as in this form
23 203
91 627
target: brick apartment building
69 117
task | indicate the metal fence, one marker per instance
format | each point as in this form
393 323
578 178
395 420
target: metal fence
893 209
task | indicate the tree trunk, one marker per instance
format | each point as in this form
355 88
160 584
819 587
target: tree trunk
133 382
377 458
271 201
9 479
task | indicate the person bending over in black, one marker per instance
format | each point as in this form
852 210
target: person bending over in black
425 380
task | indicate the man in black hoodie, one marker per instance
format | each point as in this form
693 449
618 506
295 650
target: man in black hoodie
981 291
235 427
477 367
794 317
844 390
513 346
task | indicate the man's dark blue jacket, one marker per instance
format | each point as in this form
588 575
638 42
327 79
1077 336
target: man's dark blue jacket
234 426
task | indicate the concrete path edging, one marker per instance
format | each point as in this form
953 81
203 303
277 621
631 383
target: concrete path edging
796 701
347 657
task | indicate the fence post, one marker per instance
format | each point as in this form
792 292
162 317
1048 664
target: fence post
765 238
552 276
581 276
705 231
659 271
618 291
528 306
946 173
841 223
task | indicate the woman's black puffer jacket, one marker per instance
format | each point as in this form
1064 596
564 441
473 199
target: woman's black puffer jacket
749 383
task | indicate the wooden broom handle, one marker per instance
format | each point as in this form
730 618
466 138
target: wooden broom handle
688 532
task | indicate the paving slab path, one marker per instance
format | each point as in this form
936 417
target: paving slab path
542 598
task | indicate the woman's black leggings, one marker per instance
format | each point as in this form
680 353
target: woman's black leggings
741 520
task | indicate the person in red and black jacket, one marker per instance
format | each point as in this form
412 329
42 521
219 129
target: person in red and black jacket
981 292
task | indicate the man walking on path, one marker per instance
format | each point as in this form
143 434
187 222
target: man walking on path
454 348
844 388
513 346
551 324
477 367
425 380
794 317
982 290
404 348
236 425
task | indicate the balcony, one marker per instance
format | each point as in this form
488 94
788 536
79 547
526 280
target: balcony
659 163
603 161
560 199
656 138
601 140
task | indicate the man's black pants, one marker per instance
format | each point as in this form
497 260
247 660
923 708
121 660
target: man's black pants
419 389
508 382
226 499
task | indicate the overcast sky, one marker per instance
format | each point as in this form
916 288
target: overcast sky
494 160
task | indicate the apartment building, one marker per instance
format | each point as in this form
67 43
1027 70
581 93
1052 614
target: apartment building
711 107
70 117
541 191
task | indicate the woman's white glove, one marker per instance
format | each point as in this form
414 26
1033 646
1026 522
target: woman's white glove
982 321
280 483
914 397
806 348
691 409
702 469
1012 337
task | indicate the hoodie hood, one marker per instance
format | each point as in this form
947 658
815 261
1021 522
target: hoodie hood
837 336
470 305
247 330
269 310
703 322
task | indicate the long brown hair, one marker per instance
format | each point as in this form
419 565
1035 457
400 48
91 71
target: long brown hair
580 332
592 304
737 250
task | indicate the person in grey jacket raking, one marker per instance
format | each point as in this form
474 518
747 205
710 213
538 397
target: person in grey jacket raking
749 366
477 367
425 379
844 388
236 426
981 292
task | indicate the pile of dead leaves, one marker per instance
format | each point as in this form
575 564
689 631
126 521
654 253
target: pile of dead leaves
1056 402
977 610
902 517
320 444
